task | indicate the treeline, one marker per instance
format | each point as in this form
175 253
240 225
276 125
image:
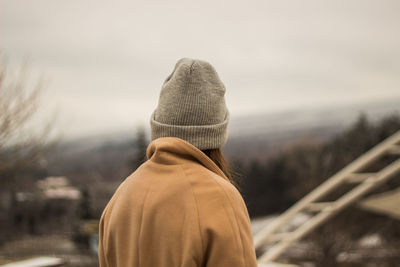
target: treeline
278 183
273 186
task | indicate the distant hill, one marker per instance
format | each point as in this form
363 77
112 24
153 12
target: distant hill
261 135
252 137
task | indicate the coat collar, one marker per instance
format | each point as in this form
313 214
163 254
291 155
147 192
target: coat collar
172 150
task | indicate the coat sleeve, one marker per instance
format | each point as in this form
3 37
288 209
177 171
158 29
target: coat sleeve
225 227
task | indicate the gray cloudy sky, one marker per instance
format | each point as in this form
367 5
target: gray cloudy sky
104 61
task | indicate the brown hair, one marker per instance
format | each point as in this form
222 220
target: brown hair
218 157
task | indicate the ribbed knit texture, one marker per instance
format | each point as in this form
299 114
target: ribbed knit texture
192 106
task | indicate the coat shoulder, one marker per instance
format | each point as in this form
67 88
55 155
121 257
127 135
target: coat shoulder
223 219
200 176
214 193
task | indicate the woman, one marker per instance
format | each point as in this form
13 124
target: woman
180 207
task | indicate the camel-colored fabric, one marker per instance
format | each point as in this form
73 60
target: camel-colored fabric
177 209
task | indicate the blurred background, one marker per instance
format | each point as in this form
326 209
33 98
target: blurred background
311 85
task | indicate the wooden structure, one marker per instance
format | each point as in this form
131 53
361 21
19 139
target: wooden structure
319 212
387 203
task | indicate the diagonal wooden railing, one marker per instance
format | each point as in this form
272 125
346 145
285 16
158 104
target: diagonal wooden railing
320 212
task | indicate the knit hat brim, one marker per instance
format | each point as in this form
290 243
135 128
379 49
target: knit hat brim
201 136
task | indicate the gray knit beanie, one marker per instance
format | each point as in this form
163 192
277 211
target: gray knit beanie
192 106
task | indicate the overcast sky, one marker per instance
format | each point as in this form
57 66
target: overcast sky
104 61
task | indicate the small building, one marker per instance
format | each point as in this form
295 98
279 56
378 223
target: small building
58 187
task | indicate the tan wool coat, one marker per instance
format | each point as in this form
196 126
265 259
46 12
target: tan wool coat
178 209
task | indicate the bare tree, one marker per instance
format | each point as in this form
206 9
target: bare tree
20 145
